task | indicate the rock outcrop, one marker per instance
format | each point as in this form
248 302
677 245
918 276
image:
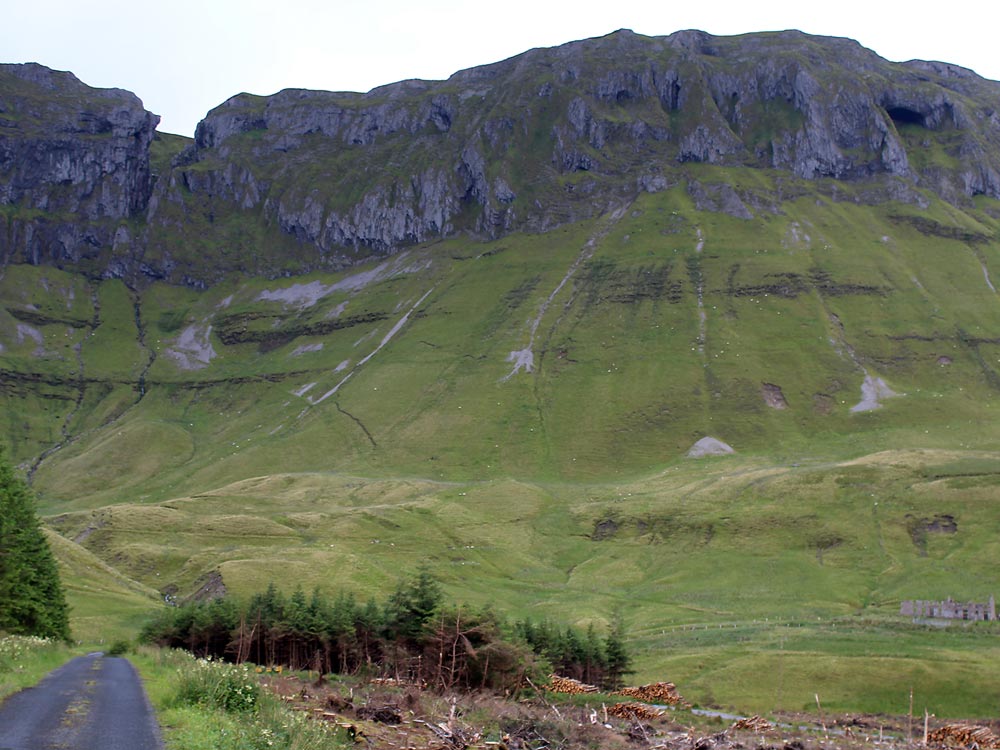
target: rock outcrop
324 179
74 165
709 446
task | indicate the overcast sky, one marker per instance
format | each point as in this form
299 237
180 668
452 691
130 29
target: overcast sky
184 57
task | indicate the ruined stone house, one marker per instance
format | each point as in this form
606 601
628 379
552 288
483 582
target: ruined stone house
949 609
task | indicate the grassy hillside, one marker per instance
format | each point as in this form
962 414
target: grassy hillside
725 569
337 430
648 331
105 605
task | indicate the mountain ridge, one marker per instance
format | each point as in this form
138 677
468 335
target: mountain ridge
309 180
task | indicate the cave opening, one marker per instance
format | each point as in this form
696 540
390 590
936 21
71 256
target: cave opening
906 116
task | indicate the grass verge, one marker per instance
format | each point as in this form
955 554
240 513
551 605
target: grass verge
24 660
217 706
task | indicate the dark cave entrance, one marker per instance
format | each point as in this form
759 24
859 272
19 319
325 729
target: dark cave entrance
906 116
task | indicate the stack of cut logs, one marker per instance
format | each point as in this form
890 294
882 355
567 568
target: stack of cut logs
753 724
664 693
964 735
634 711
568 685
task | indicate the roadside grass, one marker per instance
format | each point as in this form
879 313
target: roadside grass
24 660
218 706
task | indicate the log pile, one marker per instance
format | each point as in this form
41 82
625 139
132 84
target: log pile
634 711
964 735
753 724
664 693
568 685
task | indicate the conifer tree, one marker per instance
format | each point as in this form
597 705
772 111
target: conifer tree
618 663
31 595
412 605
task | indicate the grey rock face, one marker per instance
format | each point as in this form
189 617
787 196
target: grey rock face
526 143
78 155
718 198
298 113
819 108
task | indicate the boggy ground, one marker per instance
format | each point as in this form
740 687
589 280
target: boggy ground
390 716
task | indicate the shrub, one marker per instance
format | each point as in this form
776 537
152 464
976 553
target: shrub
119 648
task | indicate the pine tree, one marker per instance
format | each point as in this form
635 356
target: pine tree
593 650
413 604
31 595
617 660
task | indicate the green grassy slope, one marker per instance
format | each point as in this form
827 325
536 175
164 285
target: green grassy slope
627 376
723 568
104 604
337 430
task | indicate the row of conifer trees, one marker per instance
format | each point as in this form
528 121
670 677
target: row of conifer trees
414 635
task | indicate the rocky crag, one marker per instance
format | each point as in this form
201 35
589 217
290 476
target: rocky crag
305 180
74 167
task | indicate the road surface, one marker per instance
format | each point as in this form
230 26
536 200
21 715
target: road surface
93 702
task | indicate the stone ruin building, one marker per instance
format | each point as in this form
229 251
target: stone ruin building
949 609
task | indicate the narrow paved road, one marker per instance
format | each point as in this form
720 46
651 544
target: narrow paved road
93 702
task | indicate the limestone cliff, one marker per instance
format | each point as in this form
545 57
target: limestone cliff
309 179
74 166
